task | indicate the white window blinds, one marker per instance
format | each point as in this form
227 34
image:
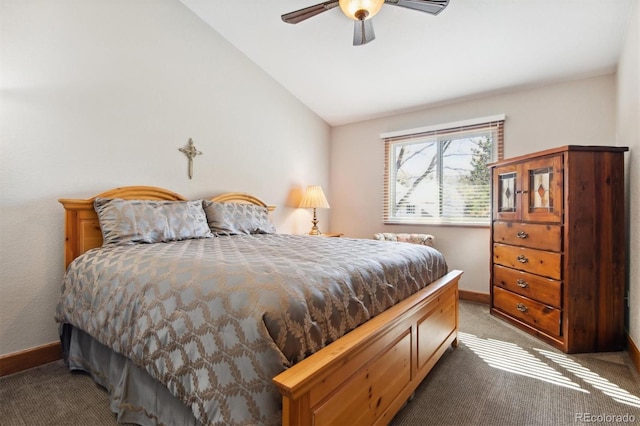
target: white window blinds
439 174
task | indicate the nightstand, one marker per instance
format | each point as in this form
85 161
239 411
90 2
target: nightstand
331 234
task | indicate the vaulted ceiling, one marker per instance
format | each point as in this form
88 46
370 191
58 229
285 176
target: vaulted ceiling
472 48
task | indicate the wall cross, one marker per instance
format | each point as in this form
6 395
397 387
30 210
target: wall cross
190 151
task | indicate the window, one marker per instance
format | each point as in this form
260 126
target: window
439 175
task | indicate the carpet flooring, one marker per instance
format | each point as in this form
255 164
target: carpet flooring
498 375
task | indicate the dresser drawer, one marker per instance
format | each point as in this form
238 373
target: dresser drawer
545 263
545 237
535 287
537 314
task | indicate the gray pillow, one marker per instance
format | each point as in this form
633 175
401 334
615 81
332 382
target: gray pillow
147 221
237 218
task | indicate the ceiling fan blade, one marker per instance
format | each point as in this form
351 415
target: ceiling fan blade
363 32
308 12
429 6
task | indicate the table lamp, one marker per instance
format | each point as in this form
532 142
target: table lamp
314 198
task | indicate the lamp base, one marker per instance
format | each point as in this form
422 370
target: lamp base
314 229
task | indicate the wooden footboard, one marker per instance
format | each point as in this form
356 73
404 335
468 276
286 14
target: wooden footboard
366 376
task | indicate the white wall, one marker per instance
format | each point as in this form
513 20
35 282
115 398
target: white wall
97 94
628 128
572 113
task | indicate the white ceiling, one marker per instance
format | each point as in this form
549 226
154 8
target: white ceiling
473 47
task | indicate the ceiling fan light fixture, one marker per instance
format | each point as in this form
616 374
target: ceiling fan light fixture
359 10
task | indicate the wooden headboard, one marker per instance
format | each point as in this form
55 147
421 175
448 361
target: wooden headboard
82 228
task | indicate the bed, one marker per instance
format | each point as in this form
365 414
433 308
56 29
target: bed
358 365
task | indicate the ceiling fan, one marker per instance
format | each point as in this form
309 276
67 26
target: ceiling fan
361 11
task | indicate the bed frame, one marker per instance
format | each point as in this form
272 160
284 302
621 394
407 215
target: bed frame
366 376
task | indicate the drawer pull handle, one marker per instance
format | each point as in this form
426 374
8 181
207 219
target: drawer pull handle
522 235
522 283
522 259
521 307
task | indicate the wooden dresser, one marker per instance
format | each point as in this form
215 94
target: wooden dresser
558 246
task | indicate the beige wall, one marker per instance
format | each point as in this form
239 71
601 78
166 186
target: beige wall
577 112
98 94
628 128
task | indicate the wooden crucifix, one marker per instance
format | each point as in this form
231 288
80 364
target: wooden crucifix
190 151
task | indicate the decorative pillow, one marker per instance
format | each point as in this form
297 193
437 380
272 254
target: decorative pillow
147 221
237 218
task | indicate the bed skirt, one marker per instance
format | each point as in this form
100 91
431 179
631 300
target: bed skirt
135 396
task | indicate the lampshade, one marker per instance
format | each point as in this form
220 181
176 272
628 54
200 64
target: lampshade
314 198
360 10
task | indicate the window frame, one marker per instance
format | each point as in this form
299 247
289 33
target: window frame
437 133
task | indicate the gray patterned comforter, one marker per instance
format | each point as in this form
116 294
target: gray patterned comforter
216 319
